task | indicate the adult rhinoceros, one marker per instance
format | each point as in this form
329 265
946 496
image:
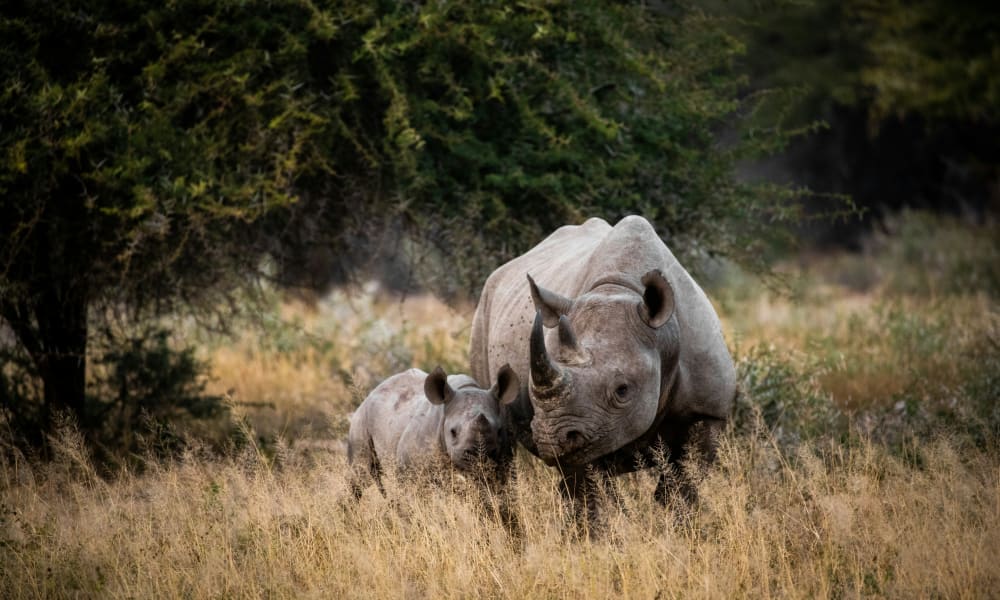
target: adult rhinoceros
631 357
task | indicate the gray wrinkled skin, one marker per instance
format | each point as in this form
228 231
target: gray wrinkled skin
413 421
633 356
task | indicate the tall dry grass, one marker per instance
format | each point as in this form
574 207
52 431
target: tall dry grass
830 520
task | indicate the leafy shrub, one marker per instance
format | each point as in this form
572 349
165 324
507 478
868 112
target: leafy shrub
784 397
144 392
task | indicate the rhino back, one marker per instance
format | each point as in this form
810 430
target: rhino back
402 425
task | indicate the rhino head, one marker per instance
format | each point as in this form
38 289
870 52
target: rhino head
473 430
597 384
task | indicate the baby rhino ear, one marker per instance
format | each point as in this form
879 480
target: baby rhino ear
508 386
436 387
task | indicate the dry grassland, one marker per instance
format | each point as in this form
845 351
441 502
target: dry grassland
831 520
810 498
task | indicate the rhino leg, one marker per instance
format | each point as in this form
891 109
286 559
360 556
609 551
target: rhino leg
672 483
500 503
582 487
365 466
686 464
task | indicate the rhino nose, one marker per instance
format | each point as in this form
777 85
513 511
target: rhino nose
570 441
554 445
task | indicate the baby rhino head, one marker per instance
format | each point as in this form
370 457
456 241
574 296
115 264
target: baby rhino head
475 432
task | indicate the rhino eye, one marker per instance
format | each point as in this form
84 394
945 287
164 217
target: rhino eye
620 396
454 433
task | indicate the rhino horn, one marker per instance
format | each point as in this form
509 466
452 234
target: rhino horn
545 374
570 347
566 336
551 304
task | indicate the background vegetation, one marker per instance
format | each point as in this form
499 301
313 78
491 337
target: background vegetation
164 157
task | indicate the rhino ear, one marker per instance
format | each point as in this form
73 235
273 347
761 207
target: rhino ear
657 299
436 387
508 385
550 303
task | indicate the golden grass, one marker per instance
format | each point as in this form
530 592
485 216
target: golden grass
333 353
868 349
828 521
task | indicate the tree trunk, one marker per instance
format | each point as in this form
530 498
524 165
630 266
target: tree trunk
62 331
60 303
53 332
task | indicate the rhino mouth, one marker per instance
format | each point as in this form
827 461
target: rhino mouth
475 460
575 458
565 446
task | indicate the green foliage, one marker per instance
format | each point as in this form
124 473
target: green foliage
807 51
930 255
155 153
936 59
482 123
144 389
142 141
931 59
947 375
900 340
503 122
785 397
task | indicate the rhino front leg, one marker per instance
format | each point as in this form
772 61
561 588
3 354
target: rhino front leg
582 488
499 500
685 466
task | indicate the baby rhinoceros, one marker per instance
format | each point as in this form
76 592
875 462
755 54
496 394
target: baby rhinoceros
415 421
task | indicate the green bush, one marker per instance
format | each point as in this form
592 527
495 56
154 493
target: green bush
783 397
145 392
